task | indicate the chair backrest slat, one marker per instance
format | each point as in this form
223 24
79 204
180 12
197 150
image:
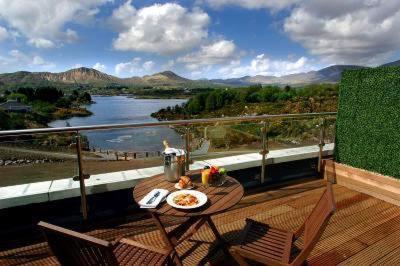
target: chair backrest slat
316 222
73 248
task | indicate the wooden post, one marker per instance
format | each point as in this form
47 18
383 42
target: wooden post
81 177
126 156
116 155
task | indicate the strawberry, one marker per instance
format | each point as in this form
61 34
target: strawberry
214 170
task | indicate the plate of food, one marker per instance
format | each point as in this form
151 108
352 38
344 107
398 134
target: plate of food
187 199
184 183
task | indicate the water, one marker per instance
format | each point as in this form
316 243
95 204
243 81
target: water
120 110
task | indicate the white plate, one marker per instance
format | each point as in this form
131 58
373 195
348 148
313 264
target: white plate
178 187
201 197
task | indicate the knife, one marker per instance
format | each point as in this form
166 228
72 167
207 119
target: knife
150 201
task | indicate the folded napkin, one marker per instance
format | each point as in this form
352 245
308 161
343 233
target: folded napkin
177 152
144 203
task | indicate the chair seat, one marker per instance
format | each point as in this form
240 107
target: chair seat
130 255
266 242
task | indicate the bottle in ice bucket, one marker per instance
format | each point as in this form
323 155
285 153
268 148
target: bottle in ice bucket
174 163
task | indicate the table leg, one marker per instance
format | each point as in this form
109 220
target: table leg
219 238
167 240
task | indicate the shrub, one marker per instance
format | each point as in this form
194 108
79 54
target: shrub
368 122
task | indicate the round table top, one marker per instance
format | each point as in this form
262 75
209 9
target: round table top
220 198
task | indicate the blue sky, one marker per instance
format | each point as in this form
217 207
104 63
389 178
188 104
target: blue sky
197 38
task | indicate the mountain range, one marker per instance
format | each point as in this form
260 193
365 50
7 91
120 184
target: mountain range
89 76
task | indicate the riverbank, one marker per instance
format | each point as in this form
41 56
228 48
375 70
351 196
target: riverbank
65 113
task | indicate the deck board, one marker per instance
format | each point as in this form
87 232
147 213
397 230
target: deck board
364 230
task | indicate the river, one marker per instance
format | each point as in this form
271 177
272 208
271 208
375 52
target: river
120 110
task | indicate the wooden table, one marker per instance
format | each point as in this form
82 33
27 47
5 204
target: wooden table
220 198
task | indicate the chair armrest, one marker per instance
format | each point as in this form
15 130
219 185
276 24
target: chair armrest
299 231
235 248
140 245
116 241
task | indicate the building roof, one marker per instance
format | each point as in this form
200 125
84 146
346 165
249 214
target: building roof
14 105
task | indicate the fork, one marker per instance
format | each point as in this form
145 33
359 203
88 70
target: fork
152 199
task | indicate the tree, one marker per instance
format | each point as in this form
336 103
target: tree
63 102
211 103
29 92
18 96
74 96
85 98
48 94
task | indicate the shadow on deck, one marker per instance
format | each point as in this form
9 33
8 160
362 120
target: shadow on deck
364 230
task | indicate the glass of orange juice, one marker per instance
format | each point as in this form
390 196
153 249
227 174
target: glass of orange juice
205 174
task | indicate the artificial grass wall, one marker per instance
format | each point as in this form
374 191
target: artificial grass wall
368 121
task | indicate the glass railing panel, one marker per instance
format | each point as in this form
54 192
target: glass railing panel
129 149
36 158
225 139
330 130
293 133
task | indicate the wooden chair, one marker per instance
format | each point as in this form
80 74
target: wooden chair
273 246
76 249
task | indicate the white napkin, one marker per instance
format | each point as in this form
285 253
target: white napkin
156 201
178 152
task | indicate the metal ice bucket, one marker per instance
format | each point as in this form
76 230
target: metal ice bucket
174 164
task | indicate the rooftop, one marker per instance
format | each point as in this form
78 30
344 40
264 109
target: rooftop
14 105
364 230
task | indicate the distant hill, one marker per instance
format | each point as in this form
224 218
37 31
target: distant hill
78 76
395 63
89 76
329 74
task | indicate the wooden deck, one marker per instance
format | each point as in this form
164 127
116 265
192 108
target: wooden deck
363 231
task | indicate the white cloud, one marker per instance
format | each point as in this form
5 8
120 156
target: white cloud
168 65
160 28
135 67
197 74
41 43
219 52
148 65
262 65
16 60
3 33
252 4
43 22
100 67
128 67
37 60
357 31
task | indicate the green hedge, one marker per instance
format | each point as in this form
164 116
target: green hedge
368 122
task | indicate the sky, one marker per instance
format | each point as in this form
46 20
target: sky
197 38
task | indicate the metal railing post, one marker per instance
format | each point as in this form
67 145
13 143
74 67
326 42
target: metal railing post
187 148
81 176
321 145
264 151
